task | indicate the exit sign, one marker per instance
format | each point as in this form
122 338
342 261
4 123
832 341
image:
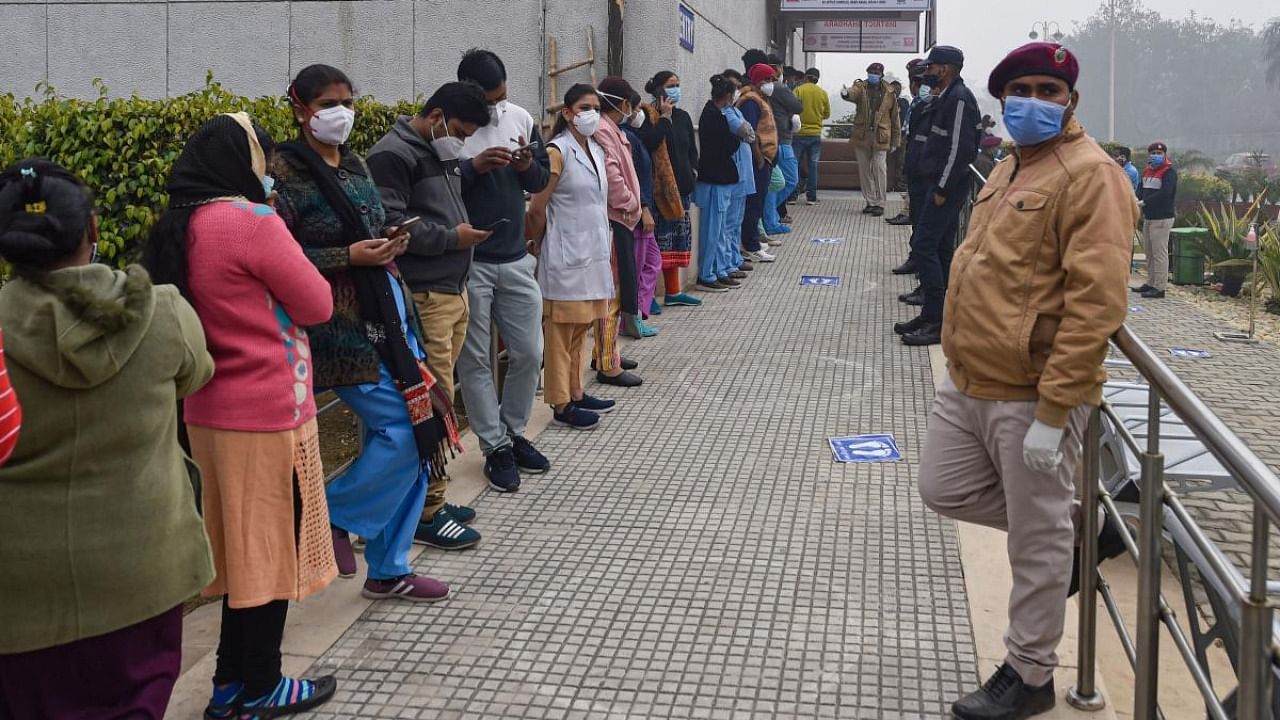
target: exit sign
686 28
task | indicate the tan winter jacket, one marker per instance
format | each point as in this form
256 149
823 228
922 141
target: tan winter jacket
767 130
1038 285
883 129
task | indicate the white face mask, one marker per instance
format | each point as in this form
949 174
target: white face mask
587 122
447 147
736 94
332 126
637 119
495 113
767 88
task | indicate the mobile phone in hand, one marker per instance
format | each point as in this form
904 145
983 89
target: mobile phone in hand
403 226
494 225
525 148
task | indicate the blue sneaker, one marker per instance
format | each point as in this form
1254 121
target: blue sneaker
461 513
596 405
655 308
577 418
222 705
646 330
445 533
778 230
681 300
527 456
500 468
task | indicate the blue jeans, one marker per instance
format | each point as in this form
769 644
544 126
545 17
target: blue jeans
809 150
715 202
790 168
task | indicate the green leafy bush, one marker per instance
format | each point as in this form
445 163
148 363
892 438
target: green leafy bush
123 148
1198 187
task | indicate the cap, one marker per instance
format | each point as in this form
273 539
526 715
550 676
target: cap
1037 58
946 55
877 68
916 67
760 73
1157 146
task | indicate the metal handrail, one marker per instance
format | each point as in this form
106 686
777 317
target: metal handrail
1257 650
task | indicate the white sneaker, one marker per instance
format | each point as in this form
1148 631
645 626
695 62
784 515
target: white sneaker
761 255
810 202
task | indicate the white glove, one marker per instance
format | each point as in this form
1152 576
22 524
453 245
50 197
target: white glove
796 123
1041 448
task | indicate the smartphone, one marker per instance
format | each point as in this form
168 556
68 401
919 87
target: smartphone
525 148
399 229
495 224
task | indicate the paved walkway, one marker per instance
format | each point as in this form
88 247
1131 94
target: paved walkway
701 556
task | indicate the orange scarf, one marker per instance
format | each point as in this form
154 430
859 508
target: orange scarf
666 191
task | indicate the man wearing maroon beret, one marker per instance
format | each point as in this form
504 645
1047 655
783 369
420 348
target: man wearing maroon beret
1037 288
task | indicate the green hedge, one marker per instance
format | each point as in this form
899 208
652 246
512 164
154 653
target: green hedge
123 148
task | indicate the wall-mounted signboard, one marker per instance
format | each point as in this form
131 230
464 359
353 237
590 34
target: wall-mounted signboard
862 36
854 5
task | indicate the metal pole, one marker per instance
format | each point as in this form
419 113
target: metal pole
1085 696
1255 629
1111 114
1151 517
1253 281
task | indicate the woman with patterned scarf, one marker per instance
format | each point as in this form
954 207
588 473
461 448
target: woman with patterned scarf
371 353
673 144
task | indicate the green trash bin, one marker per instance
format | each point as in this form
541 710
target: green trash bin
1186 258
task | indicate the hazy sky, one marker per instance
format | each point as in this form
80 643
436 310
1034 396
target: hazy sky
987 29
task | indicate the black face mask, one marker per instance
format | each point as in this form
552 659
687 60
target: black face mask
931 80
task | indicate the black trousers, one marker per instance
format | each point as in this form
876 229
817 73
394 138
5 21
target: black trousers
624 249
755 210
249 643
934 243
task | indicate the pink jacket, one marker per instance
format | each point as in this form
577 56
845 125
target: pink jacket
254 291
620 171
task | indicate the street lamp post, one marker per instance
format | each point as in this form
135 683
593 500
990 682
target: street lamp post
1111 112
1050 29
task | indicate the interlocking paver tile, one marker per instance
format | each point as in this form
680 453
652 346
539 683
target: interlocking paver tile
700 555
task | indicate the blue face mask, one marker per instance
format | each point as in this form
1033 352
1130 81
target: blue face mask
673 94
1155 161
1032 121
925 93
268 184
873 79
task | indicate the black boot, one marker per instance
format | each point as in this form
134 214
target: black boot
915 297
1005 697
929 333
1110 544
899 219
910 326
907 268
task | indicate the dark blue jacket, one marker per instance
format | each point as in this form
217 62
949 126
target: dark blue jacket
953 126
916 134
644 166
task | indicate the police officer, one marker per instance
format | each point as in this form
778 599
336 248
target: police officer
915 69
951 124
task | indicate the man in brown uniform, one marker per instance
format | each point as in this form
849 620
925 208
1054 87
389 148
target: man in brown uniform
1037 288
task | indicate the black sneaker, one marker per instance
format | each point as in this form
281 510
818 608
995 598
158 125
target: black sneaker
868 209
910 326
907 268
915 298
461 513
527 456
876 211
625 364
730 283
1141 288
927 334
1005 697
577 418
746 266
713 286
500 468
1152 294
899 219
625 379
1110 544
738 274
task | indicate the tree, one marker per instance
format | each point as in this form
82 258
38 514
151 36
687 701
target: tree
1271 36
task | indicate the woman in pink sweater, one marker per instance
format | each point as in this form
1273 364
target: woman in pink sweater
252 428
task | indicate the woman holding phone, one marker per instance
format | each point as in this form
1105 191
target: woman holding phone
569 224
675 175
717 189
371 351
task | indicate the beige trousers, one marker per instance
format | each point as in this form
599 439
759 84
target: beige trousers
444 321
971 469
873 170
1155 243
563 345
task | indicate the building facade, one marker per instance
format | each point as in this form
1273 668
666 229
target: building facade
392 49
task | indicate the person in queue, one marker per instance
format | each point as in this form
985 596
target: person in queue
807 143
675 178
417 170
501 162
570 231
753 103
1041 277
266 516
648 257
92 619
717 188
943 169
625 213
372 351
733 261
786 108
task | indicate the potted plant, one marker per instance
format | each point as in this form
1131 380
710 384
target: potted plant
1224 247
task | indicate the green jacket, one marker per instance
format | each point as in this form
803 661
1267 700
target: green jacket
97 513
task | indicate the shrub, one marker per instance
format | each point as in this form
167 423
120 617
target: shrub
123 148
1201 188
